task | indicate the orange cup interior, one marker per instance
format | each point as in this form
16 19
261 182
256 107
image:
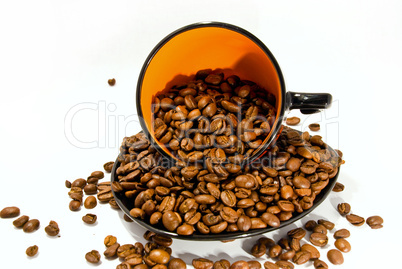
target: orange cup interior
207 46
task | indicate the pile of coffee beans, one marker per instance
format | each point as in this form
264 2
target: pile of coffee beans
218 198
213 119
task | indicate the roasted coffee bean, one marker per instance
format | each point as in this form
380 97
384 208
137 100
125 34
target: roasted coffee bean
221 264
32 250
355 219
270 219
10 212
68 184
177 263
79 182
90 202
20 221
253 265
111 81
270 265
318 239
309 226
111 250
327 224
105 195
74 205
342 233
297 233
375 222
108 167
315 254
93 256
314 127
52 229
125 265
31 226
90 189
338 187
89 218
343 245
202 263
292 121
319 228
126 250
162 240
159 256
295 244
319 264
344 209
109 240
239 265
285 265
288 255
335 256
274 251
258 250
301 257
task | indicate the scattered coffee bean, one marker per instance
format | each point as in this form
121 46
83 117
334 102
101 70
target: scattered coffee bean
274 251
90 189
108 167
319 228
258 250
125 265
32 250
297 233
335 256
309 226
344 209
177 263
20 221
31 226
52 229
93 256
270 265
318 239
253 265
342 233
285 265
375 222
301 257
79 183
327 224
319 264
293 121
315 127
355 219
10 212
343 245
315 254
338 187
111 81
74 205
111 250
68 184
89 218
109 240
202 263
240 265
90 202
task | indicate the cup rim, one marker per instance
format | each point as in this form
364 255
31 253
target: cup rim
283 106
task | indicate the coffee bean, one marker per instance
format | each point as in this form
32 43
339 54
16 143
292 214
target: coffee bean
288 255
342 244
297 233
292 121
126 250
159 256
90 189
253 265
355 219
52 229
93 256
315 254
285 265
202 263
258 250
31 226
108 167
375 222
274 251
309 226
111 81
32 250
329 225
111 250
177 263
338 187
89 218
109 240
68 184
10 212
74 205
319 228
90 202
314 127
301 257
270 219
79 183
319 264
344 209
335 256
318 239
162 240
20 221
270 265
342 233
105 195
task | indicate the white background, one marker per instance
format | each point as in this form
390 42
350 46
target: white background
56 57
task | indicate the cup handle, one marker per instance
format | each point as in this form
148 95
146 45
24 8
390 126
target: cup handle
308 103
